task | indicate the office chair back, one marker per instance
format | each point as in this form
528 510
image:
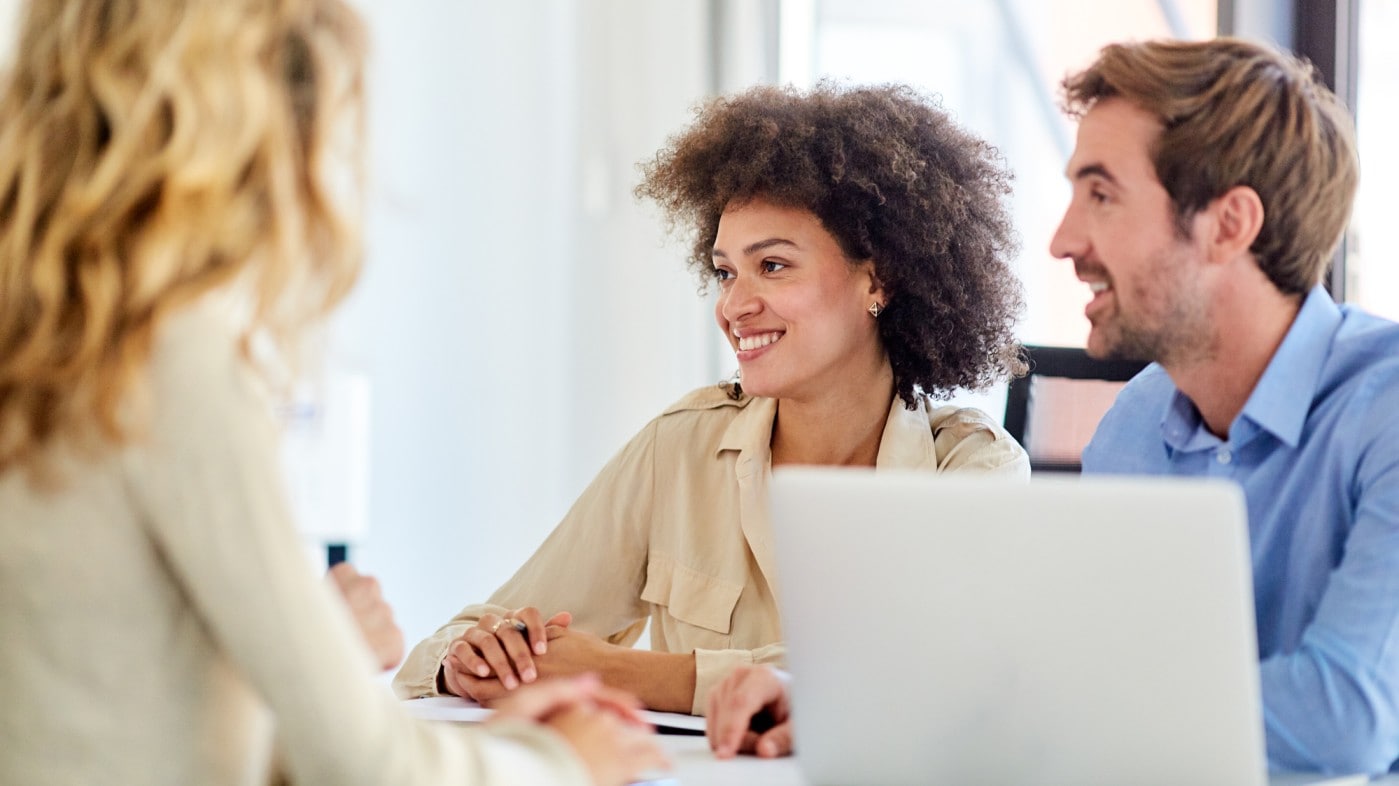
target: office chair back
1054 409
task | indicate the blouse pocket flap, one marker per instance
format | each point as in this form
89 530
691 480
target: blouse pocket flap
691 596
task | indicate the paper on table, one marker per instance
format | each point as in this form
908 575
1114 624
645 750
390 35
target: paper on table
447 708
459 710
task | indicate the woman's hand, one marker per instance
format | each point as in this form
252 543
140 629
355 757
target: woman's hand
496 650
371 613
749 712
663 680
570 654
602 725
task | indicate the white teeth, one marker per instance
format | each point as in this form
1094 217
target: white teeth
1098 286
759 341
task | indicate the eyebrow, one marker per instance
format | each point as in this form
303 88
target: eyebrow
754 248
1094 170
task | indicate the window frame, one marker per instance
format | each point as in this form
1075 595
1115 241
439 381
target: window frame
1326 32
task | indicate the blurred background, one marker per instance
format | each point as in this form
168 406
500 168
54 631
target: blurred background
521 315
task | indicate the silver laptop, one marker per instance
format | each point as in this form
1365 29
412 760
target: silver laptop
978 631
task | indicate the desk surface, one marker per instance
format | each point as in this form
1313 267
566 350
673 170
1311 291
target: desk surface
696 766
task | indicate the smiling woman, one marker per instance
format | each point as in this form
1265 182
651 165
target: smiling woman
786 280
859 242
896 184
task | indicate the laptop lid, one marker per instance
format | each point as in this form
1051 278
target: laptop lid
1065 631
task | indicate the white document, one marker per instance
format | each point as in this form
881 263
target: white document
458 710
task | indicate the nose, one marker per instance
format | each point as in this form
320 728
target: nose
1069 240
740 299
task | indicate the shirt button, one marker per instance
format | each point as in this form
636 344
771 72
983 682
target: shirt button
1223 456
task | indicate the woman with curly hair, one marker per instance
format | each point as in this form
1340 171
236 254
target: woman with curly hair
859 245
169 228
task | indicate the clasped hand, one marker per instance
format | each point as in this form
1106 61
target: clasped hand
495 656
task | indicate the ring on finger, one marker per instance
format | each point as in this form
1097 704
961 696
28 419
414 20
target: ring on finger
503 621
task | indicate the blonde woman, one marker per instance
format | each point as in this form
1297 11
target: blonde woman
166 234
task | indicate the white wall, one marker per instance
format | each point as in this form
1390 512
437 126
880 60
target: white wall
519 318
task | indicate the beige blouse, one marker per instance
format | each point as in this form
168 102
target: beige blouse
675 529
161 625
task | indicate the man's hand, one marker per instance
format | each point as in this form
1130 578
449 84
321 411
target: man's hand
750 712
371 613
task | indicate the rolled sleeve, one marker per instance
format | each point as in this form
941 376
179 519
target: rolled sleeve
417 677
712 666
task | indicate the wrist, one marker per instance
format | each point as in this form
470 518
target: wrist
663 681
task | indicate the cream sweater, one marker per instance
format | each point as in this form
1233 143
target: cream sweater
160 624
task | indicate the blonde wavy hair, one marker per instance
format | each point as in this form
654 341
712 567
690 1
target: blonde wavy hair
151 152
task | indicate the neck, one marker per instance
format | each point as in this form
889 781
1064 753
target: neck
1248 323
841 427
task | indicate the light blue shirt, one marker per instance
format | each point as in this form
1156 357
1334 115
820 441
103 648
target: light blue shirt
1316 451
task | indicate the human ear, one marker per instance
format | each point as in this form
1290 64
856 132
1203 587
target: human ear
876 287
1238 218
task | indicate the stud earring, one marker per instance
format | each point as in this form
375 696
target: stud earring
875 309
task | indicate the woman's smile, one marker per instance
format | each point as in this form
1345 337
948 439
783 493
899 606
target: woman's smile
752 343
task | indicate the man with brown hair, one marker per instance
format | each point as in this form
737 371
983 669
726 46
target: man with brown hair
1211 184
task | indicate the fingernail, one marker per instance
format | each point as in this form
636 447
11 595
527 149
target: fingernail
528 675
767 747
539 648
510 683
482 671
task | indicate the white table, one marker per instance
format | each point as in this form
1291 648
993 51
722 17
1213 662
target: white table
696 766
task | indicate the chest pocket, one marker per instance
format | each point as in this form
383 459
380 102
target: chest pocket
690 596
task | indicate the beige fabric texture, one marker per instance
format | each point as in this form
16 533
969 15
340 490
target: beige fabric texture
162 625
675 530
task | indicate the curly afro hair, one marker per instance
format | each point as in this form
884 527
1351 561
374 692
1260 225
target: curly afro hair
894 180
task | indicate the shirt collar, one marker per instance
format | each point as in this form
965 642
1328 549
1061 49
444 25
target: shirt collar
751 428
907 440
1181 426
1283 396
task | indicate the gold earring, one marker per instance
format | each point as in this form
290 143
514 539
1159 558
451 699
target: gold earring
875 309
